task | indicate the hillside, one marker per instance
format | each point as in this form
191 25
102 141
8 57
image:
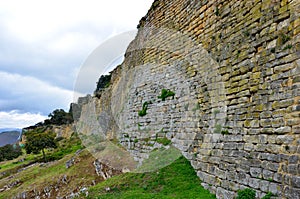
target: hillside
9 137
77 175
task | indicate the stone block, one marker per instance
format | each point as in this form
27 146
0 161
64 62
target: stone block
267 174
285 139
224 194
254 183
295 181
293 169
278 177
256 172
242 178
283 130
265 123
248 147
294 159
273 148
264 185
278 122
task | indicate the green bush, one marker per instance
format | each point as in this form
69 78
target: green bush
165 93
246 194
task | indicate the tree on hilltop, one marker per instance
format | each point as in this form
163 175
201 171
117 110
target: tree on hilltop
39 141
60 117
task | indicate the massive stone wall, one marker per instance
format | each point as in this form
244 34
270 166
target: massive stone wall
234 68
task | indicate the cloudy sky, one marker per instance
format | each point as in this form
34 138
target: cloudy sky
43 45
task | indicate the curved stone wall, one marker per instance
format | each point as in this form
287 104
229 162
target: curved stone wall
233 68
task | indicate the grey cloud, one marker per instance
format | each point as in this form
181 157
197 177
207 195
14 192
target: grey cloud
29 94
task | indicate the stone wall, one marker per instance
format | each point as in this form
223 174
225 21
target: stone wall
234 69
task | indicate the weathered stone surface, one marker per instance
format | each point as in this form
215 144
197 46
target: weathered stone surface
224 194
256 172
235 75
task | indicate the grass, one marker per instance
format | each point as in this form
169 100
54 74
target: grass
164 141
12 166
30 175
38 177
65 148
158 159
177 180
165 174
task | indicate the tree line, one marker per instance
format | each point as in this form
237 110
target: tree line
10 152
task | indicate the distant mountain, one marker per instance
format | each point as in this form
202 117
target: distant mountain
9 137
9 129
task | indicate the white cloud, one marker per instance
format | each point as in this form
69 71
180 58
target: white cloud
15 119
35 20
44 43
57 36
27 93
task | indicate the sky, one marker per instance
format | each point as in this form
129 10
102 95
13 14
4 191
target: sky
43 46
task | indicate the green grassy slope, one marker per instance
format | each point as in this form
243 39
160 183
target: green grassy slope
177 180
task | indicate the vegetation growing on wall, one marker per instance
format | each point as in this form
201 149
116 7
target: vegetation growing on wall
103 82
143 112
250 194
165 93
164 141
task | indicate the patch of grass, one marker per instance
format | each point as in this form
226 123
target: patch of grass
268 195
164 141
270 179
285 38
165 93
218 128
289 46
216 112
82 173
12 166
66 146
177 180
246 194
246 33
